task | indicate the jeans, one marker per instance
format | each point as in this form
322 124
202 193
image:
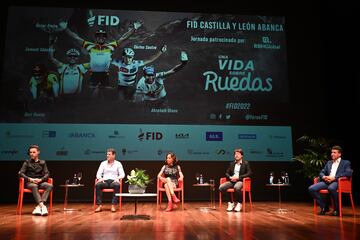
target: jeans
35 191
237 187
332 188
109 183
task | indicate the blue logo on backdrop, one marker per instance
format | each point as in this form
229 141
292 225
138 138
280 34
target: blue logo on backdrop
116 134
246 136
48 134
90 151
197 152
277 137
81 135
9 134
126 151
221 152
11 152
62 152
214 136
271 153
162 151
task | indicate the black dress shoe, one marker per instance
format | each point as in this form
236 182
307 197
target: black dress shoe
335 213
322 211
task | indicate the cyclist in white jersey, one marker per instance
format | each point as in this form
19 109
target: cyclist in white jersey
127 69
100 52
151 88
71 73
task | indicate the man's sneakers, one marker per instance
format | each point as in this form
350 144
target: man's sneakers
323 211
37 211
335 213
40 211
238 207
232 205
44 211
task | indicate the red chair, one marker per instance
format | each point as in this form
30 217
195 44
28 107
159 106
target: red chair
179 190
108 190
245 188
344 186
23 190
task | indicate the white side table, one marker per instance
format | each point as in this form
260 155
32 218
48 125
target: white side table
136 196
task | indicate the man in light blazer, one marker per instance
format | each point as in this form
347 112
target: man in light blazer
328 179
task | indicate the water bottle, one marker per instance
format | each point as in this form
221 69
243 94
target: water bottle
75 180
201 179
287 181
271 178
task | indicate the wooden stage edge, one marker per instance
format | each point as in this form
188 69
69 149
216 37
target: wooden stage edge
194 222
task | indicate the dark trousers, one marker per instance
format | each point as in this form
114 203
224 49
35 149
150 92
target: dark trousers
109 183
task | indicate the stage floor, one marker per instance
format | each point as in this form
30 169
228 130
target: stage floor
262 222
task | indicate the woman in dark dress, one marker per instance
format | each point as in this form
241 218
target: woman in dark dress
170 174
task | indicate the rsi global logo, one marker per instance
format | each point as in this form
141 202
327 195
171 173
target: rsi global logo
155 136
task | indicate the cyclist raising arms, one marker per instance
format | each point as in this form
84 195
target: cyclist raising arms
100 52
151 88
127 69
71 73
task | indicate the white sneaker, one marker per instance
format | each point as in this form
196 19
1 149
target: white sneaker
37 211
44 211
238 207
230 206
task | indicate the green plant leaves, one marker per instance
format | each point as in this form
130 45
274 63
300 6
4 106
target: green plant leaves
314 157
138 177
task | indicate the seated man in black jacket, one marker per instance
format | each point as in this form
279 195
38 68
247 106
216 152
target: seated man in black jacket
36 174
235 173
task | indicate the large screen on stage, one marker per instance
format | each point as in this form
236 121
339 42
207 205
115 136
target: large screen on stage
78 81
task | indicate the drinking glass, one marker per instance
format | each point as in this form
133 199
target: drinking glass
197 176
282 177
79 176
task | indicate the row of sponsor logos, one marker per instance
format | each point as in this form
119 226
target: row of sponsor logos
143 135
64 152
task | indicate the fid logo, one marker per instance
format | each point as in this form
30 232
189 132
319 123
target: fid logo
149 135
103 20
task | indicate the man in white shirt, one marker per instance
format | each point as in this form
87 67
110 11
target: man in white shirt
109 175
328 179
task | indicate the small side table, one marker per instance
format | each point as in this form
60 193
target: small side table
67 186
211 186
279 186
135 216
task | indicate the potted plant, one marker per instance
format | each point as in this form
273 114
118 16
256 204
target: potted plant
315 155
138 181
